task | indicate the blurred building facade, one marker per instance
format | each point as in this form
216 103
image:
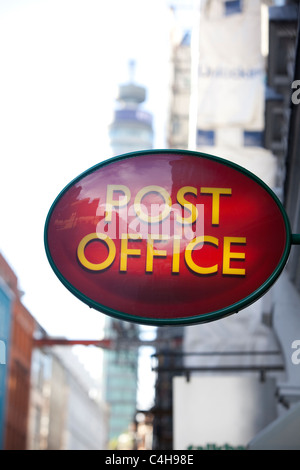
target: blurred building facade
17 328
251 126
6 299
179 101
66 408
283 72
47 399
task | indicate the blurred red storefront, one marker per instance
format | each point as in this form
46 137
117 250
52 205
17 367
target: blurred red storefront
19 366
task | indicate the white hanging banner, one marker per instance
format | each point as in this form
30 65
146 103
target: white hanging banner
231 72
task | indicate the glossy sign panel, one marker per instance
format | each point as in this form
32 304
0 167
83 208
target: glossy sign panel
167 237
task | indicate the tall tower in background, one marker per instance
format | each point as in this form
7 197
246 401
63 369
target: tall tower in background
130 131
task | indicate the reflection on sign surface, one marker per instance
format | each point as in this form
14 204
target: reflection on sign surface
167 237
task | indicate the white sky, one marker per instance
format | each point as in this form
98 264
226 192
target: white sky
61 63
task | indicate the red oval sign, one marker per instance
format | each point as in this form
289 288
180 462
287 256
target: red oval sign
167 237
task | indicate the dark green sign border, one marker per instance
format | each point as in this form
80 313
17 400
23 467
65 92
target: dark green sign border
207 317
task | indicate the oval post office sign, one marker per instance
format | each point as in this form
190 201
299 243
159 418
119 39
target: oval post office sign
167 237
